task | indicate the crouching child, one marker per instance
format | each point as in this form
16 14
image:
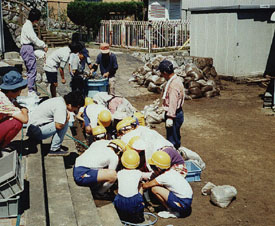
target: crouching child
129 201
96 167
170 187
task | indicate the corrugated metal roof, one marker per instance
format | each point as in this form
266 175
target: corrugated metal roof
232 7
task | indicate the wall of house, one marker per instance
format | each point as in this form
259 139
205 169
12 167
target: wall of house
239 41
164 10
57 7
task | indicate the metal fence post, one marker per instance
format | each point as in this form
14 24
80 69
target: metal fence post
149 37
110 33
123 27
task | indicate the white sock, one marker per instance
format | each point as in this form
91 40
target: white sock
105 187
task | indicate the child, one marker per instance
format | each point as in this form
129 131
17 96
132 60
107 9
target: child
28 40
79 116
129 201
57 60
77 72
170 187
94 115
96 167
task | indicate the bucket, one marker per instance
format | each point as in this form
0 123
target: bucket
96 85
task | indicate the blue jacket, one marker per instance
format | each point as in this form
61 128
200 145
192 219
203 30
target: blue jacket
108 66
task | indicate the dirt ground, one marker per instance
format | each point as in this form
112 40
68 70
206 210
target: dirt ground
234 135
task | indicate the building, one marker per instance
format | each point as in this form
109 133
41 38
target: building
57 8
237 34
164 9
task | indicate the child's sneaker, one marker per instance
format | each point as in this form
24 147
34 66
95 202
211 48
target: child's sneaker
58 152
168 214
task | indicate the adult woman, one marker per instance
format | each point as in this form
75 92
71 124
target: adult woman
12 115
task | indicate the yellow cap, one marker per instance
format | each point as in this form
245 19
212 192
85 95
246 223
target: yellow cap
88 100
98 130
118 144
125 122
130 159
136 143
140 118
160 159
105 118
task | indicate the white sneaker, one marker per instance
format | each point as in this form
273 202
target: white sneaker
168 214
32 94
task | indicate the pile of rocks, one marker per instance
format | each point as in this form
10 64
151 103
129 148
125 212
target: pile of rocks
198 75
38 4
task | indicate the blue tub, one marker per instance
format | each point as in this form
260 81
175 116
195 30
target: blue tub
194 172
94 86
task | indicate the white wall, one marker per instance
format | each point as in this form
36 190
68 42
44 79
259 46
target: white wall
171 9
238 46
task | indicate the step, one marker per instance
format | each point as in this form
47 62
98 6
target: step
84 206
36 213
53 44
110 211
54 39
61 210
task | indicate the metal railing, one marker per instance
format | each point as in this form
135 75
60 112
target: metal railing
148 35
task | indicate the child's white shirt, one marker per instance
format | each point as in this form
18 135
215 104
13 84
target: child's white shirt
58 58
92 112
98 156
176 183
128 181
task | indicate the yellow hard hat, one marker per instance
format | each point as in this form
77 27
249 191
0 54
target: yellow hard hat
105 118
127 121
136 143
140 118
98 130
130 159
118 145
88 100
160 159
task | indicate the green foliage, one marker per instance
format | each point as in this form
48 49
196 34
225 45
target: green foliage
89 14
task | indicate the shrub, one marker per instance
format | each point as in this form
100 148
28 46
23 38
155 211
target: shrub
89 14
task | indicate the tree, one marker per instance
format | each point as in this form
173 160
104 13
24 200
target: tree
89 14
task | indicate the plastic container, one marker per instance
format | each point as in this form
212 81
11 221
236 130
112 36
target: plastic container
94 86
194 172
11 176
9 207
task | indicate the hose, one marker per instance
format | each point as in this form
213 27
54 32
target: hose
77 141
18 219
145 213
